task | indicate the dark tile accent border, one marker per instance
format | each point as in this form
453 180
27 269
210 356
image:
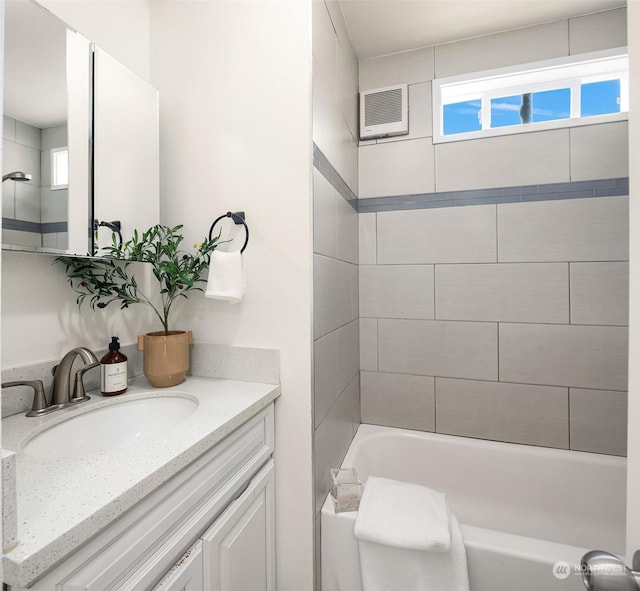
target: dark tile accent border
21 225
522 194
53 227
549 192
35 227
326 169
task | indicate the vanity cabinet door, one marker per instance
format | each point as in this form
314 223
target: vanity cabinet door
186 574
238 549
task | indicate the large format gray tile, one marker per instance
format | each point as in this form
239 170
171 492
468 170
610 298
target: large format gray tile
396 291
447 235
568 230
503 161
410 67
342 34
18 157
333 437
367 238
54 137
336 362
509 292
347 230
348 351
28 202
8 128
602 30
28 135
325 375
438 348
396 168
347 90
600 293
335 294
598 421
517 46
369 344
325 229
600 151
577 356
535 415
397 400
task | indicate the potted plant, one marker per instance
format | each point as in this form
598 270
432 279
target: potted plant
111 278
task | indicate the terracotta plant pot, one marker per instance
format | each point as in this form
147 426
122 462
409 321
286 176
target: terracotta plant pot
166 356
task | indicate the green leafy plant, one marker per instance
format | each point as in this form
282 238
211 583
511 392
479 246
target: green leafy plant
111 278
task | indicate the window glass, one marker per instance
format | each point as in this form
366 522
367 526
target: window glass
600 98
550 105
461 117
505 111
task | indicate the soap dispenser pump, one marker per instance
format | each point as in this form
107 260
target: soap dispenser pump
113 370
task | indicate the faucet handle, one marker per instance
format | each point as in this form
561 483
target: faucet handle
39 405
78 386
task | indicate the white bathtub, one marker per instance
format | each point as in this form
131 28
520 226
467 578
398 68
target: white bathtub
522 508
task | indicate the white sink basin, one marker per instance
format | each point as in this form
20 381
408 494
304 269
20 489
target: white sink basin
110 427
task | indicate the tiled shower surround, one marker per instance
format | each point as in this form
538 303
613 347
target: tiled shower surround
505 322
493 272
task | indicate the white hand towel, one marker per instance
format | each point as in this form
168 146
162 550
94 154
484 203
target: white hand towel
403 515
412 555
226 279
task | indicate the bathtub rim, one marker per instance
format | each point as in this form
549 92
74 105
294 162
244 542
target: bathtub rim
368 431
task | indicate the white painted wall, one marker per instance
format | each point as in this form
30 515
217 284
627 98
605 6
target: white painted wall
633 437
235 88
40 320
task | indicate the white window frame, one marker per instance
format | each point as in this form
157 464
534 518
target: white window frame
567 72
56 153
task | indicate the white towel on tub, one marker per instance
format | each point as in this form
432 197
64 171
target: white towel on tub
408 540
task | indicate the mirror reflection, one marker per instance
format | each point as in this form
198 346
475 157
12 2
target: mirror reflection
80 143
37 188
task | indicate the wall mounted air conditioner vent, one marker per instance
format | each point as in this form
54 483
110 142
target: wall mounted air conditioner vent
384 112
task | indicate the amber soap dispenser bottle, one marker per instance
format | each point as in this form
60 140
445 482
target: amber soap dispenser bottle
113 370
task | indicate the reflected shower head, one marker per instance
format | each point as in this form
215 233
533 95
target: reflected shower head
16 176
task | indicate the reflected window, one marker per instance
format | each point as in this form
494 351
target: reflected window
59 168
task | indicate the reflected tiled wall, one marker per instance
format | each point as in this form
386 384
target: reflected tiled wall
21 200
34 215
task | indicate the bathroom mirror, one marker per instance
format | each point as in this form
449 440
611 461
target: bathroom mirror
80 141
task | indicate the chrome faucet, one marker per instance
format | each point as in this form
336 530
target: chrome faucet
603 571
61 387
61 393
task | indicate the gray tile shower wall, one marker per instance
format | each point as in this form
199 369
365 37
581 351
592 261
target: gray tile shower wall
336 375
505 322
494 271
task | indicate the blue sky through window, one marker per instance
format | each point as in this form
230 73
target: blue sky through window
461 117
506 111
596 98
600 98
551 105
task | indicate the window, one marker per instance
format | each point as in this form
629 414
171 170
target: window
578 90
59 168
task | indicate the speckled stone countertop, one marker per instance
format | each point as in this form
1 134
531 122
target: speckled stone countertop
62 502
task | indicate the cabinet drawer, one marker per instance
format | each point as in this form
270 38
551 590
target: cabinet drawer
137 550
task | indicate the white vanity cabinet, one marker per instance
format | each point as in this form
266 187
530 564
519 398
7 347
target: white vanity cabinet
209 527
